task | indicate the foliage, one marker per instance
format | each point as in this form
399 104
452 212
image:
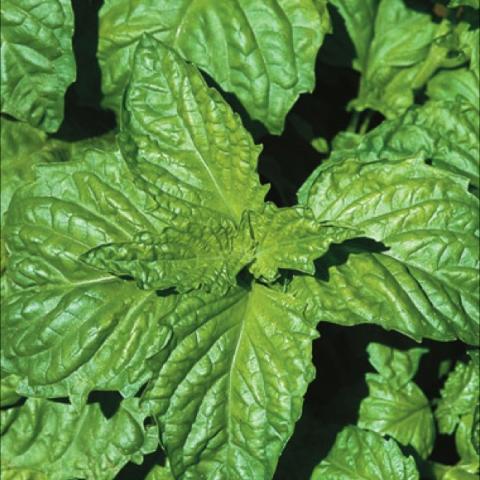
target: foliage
160 300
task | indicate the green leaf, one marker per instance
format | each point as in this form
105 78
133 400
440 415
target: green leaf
197 256
459 394
183 141
361 454
465 447
37 60
67 328
23 147
8 387
395 405
291 238
396 366
19 141
460 83
159 473
263 52
230 390
359 17
446 132
455 85
459 3
446 472
43 439
475 434
425 284
398 50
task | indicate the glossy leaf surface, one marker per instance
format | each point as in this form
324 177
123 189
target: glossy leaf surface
263 52
44 439
362 454
37 60
230 390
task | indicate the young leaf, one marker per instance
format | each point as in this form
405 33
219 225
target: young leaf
396 406
58 443
37 60
291 238
184 142
77 328
195 256
398 49
459 394
396 366
263 52
230 390
358 453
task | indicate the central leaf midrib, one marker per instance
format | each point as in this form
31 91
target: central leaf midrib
244 318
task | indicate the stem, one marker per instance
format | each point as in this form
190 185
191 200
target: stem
366 122
353 125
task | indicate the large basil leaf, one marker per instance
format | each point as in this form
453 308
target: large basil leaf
230 388
362 454
263 52
184 142
37 60
398 49
44 440
395 405
426 283
68 328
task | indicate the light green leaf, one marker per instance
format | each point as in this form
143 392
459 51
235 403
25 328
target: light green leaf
361 454
396 366
197 256
476 430
263 52
395 405
359 17
291 238
22 148
43 439
230 389
465 446
454 85
446 132
8 387
425 284
461 83
37 60
19 141
67 328
469 3
446 472
459 394
398 50
159 473
183 141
